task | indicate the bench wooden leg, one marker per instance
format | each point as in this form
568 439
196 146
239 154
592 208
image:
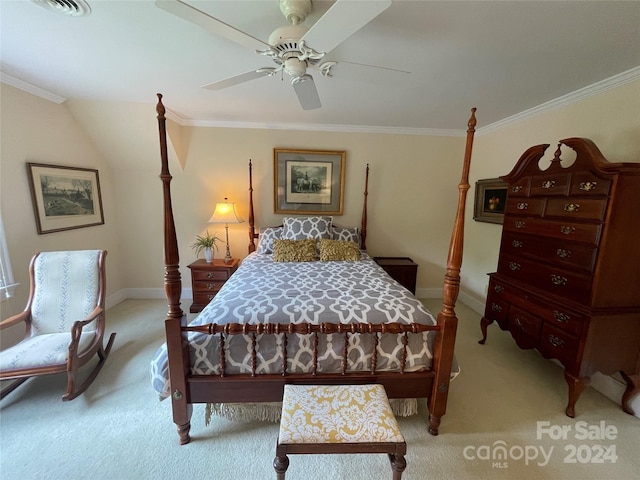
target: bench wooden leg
398 464
280 464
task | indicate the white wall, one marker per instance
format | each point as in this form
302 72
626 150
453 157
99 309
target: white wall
37 130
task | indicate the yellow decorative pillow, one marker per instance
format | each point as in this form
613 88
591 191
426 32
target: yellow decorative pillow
294 250
335 250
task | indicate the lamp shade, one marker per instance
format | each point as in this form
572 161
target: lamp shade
225 212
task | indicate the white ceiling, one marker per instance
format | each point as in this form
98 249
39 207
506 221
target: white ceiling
503 57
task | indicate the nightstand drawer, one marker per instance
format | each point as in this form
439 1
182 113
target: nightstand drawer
201 275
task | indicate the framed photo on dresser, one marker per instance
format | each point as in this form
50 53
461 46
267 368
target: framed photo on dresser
490 201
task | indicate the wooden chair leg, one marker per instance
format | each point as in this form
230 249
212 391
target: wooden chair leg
280 464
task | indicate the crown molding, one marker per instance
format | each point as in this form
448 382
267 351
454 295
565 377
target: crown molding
588 91
30 88
594 89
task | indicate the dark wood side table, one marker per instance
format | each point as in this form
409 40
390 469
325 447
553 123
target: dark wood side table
402 269
207 279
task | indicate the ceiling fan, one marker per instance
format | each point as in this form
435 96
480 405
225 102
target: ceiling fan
293 48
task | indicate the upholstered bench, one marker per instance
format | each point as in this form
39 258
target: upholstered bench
338 419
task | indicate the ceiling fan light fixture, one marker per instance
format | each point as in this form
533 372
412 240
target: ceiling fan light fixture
294 67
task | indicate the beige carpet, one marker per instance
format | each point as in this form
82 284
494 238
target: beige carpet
118 429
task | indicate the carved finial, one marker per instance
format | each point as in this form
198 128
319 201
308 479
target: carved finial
160 106
472 120
556 155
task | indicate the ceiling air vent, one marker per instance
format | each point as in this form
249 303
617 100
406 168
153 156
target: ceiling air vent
73 8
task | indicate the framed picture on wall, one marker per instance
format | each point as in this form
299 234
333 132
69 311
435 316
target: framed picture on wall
490 201
64 198
308 181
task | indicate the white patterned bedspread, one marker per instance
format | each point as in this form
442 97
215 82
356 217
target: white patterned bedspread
263 291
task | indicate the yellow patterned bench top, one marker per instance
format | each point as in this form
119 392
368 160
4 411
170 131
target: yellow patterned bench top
337 414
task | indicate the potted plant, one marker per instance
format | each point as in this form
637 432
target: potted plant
206 243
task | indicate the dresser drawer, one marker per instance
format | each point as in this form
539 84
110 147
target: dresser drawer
589 184
583 208
555 343
550 185
497 310
524 327
204 275
578 232
525 206
550 250
550 278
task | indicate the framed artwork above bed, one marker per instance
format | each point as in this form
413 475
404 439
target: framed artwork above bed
308 181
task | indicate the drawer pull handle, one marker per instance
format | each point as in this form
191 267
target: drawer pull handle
558 280
516 188
519 224
571 207
519 323
522 206
495 307
210 275
499 288
514 266
561 317
588 186
516 243
567 230
210 296
555 341
562 253
211 286
548 184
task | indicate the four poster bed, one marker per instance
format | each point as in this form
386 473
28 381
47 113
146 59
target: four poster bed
326 319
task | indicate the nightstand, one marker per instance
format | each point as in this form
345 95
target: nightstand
402 269
207 279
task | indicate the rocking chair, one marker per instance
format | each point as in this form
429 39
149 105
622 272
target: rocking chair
64 319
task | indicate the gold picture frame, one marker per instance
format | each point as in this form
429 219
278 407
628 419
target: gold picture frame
64 198
308 181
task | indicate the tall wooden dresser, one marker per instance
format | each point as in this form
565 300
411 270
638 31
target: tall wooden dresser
568 279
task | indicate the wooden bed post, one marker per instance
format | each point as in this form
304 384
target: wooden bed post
445 339
252 230
363 227
176 345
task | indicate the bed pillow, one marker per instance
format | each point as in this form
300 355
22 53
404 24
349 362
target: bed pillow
347 235
294 250
338 250
301 228
266 238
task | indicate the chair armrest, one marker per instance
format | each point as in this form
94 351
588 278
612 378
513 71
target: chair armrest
15 319
80 324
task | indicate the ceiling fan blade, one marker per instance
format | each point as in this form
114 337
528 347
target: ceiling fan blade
235 80
211 24
341 21
306 91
